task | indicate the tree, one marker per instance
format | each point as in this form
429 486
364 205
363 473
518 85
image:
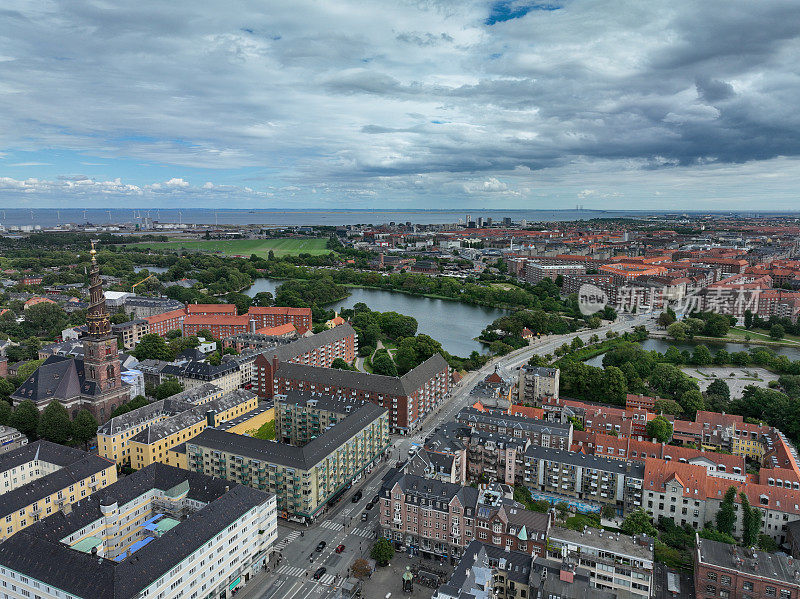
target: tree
205 334
639 522
240 300
615 385
84 427
720 388
668 406
701 356
173 334
263 299
5 412
562 508
382 551
678 331
340 364
559 281
152 347
168 388
660 429
382 363
46 317
726 515
751 522
748 319
360 568
26 419
54 424
665 319
691 401
716 325
777 331
215 359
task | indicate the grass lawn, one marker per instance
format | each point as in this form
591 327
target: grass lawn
738 334
242 247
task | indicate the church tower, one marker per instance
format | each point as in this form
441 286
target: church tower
101 358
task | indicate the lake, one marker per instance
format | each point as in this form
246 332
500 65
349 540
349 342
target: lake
151 269
661 345
453 324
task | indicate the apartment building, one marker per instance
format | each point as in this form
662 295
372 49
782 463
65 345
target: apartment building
320 349
40 478
584 481
615 562
220 325
536 271
274 316
692 494
10 439
302 417
163 323
160 441
537 382
160 532
723 570
227 375
131 332
440 519
408 398
598 418
487 572
304 478
495 457
538 432
114 435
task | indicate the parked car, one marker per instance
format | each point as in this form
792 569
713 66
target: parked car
364 516
357 497
320 573
321 545
339 549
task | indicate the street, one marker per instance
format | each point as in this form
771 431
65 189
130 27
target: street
293 576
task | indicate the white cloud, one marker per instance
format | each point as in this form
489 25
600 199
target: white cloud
401 101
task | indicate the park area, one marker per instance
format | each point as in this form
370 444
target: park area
242 247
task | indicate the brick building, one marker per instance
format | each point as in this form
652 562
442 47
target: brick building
723 570
317 350
538 432
408 398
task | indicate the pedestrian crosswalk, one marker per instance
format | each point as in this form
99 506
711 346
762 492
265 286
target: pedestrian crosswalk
292 570
281 545
331 525
362 532
299 572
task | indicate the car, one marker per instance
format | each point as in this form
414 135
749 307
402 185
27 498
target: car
376 499
320 573
369 506
321 545
357 497
339 549
364 516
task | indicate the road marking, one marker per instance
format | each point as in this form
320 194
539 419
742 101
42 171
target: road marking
331 525
286 540
295 571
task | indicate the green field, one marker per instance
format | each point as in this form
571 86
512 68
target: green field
242 247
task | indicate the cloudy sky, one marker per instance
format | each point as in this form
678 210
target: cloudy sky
400 104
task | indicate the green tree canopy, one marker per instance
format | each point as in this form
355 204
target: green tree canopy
168 388
26 419
5 412
639 522
152 347
726 515
54 424
382 552
660 429
382 363
84 427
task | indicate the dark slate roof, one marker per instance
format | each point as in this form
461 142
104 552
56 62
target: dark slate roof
326 403
470 415
75 465
286 352
432 489
376 383
515 564
57 378
199 370
633 469
38 553
304 457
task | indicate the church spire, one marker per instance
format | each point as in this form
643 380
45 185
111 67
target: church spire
97 317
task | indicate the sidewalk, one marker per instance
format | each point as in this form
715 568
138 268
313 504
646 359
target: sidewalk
389 579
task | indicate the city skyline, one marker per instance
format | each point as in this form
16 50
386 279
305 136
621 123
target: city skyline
464 105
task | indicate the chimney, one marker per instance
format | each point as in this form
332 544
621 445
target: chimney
252 325
227 488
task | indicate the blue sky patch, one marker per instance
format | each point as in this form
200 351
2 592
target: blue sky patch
506 10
